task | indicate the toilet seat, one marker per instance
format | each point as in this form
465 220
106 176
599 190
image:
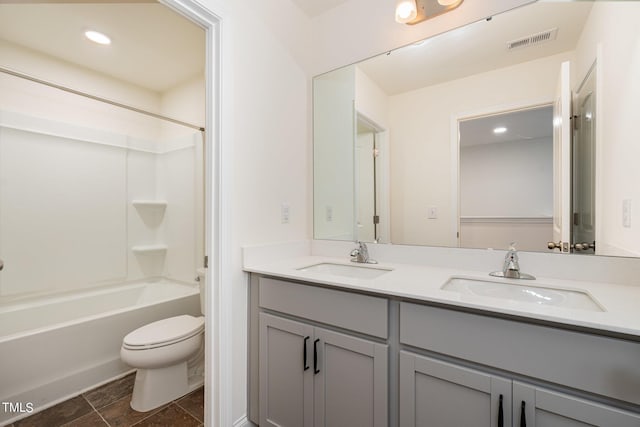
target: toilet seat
164 332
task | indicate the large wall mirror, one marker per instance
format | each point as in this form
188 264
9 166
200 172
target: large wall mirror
518 128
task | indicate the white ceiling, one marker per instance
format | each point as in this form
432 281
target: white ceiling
314 8
531 124
478 47
152 46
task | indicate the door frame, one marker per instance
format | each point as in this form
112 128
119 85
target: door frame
214 19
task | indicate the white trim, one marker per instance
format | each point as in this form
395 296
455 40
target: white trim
218 176
243 422
598 197
506 220
455 179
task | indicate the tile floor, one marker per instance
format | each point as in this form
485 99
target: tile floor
108 406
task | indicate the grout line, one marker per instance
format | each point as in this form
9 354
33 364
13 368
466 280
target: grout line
151 414
95 410
186 410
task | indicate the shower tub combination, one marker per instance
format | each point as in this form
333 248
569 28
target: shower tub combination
55 348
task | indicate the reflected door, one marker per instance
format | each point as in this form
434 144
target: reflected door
365 187
584 166
562 162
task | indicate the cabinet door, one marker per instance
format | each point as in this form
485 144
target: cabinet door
286 383
440 394
351 386
537 407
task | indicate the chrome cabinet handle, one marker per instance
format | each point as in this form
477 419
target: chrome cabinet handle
1 265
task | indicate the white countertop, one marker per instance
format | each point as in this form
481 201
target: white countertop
621 303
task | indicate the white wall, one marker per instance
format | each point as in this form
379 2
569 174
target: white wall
506 194
371 101
609 25
334 132
508 179
420 137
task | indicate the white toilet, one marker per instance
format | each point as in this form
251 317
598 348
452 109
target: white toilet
169 357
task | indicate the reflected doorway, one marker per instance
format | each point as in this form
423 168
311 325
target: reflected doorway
367 179
506 179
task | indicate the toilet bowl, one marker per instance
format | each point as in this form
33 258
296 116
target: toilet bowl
169 357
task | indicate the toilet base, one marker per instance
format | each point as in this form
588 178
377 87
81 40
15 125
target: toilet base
155 387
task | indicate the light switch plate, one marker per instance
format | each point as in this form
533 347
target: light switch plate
432 212
626 213
285 213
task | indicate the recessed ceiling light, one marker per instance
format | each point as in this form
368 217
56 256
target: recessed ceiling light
500 130
97 37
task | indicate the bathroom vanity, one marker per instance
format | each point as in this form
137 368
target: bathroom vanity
331 344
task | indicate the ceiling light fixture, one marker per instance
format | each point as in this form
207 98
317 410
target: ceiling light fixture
406 11
501 129
97 37
412 12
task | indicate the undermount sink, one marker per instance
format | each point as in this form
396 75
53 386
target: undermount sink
345 270
523 293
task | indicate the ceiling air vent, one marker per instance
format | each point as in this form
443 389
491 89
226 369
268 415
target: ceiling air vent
533 39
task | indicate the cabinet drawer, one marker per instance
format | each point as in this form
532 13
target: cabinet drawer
360 313
597 364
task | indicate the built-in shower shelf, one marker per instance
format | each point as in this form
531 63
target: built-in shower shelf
149 249
154 204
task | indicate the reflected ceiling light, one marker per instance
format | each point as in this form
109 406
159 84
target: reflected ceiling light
97 37
411 12
500 129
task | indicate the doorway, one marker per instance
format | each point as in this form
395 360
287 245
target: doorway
506 180
213 235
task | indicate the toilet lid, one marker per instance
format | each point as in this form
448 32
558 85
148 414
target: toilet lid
165 331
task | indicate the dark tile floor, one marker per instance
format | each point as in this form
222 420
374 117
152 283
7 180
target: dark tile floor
108 406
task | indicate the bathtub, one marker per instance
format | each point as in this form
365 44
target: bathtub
54 348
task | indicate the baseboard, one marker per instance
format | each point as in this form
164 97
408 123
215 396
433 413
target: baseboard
244 422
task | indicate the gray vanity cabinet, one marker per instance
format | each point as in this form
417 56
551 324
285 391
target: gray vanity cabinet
286 382
313 376
439 394
538 407
351 381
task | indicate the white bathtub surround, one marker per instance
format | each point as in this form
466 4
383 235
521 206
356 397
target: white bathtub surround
60 347
112 207
420 272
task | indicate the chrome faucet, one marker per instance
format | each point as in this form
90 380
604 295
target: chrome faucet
511 266
361 254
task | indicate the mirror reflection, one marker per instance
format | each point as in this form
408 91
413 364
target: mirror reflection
518 128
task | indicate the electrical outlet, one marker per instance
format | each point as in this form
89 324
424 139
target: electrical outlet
432 212
329 213
285 213
626 213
